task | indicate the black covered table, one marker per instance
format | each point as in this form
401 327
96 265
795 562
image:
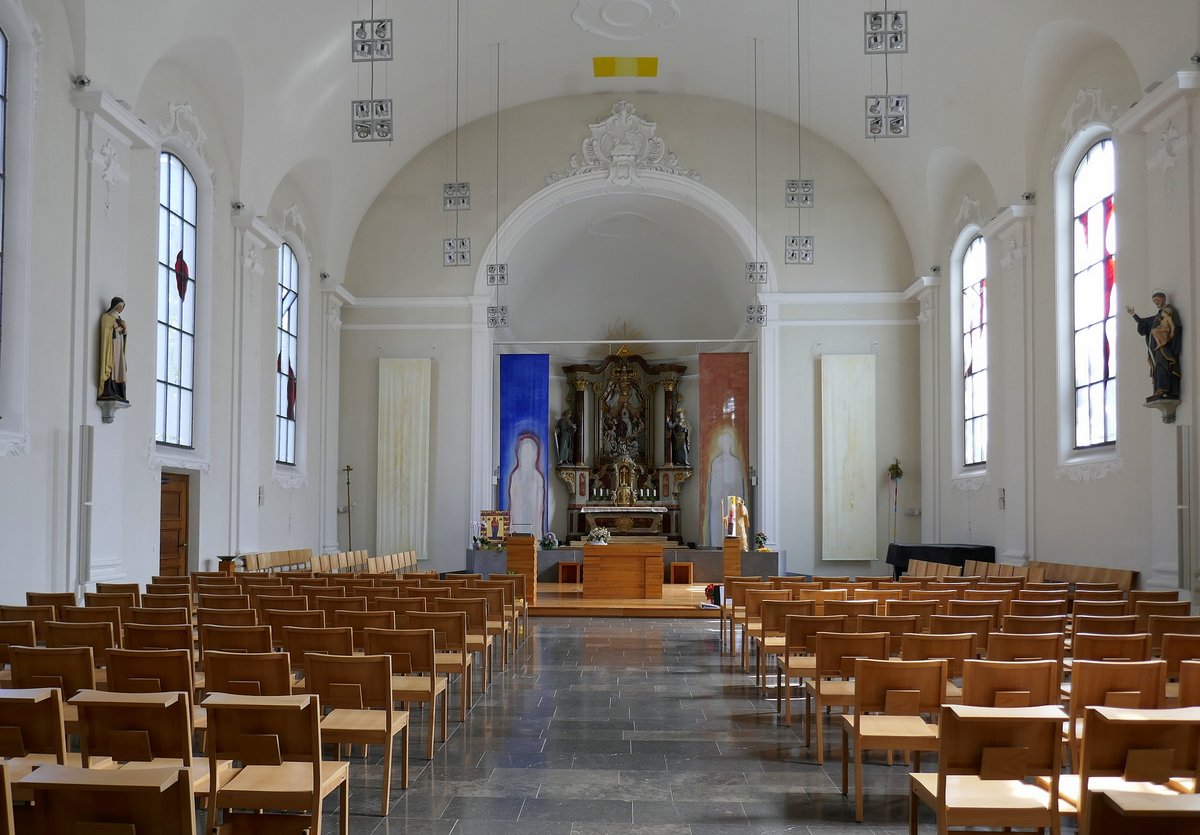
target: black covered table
898 555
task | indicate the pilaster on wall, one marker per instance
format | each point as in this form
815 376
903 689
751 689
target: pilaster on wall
1165 125
926 292
482 489
111 141
769 463
254 271
1009 244
331 369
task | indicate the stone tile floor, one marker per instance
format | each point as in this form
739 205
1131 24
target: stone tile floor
613 725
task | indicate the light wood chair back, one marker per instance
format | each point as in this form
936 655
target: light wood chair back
819 597
755 597
264 733
1144 609
56 599
1005 596
223 601
1099 608
881 596
98 636
851 586
776 612
219 590
827 579
168 585
1010 683
159 617
1010 646
1096 586
331 605
400 607
247 673
15 633
120 588
1189 684
1040 608
1034 624
373 593
298 641
1161 625
278 602
70 669
923 609
837 651
1177 649
1057 588
150 670
92 800
428 595
980 625
134 727
236 638
1105 624
1090 647
226 617
794 583
359 621
967 608
32 724
478 640
1083 595
111 615
941 596
1159 596
39 616
313 591
158 636
453 654
800 631
1136 684
248 580
278 619
852 609
953 649
894 625
168 601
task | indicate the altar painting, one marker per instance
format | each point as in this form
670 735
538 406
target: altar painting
724 421
524 439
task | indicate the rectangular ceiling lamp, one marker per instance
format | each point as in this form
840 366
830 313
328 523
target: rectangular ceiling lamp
621 65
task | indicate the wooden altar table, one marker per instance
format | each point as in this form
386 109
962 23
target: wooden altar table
634 519
633 570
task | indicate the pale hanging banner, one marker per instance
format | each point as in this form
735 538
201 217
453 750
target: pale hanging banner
848 471
402 476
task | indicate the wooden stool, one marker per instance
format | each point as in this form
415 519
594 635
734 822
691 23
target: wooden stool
570 572
681 572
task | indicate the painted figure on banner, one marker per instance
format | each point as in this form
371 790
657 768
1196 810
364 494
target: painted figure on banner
527 488
1163 333
112 353
564 439
726 477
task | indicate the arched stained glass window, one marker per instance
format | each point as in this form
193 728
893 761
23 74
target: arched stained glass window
1094 293
286 359
177 273
975 353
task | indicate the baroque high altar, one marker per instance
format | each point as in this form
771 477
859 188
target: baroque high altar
630 450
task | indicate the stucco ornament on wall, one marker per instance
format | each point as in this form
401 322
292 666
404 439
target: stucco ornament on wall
624 20
623 145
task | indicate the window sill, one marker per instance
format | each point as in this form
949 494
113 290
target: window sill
970 481
1089 464
289 477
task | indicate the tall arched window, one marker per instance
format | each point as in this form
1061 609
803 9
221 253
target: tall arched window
177 271
3 145
286 360
1094 295
975 353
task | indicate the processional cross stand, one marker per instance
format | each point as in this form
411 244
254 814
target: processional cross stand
349 510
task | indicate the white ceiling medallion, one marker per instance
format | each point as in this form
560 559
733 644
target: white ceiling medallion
624 20
623 145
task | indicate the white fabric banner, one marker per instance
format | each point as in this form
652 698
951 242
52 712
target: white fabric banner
402 473
848 473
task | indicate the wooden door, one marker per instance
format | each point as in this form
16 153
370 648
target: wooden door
173 526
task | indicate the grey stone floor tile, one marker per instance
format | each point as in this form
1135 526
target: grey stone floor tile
578 810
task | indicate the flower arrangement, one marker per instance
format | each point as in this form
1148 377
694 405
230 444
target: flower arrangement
713 592
484 543
548 542
598 536
760 541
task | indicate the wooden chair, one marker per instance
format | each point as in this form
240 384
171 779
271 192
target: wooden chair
985 757
32 729
97 636
896 626
330 640
160 588
1086 646
355 695
111 615
1009 646
850 586
215 589
277 619
478 641
277 739
770 638
120 588
452 656
235 638
797 660
750 618
330 605
980 625
819 597
1134 750
175 636
279 602
247 673
1090 586
521 588
400 607
89 800
13 633
1139 595
1176 650
1105 624
1124 811
923 609
414 672
223 601
508 591
1005 596
1010 683
968 608
39 616
881 596
51 598
794 583
122 600
941 597
1097 596
733 603
827 581
1040 608
1159 626
1033 590
1144 609
70 669
498 626
852 609
832 682
889 698
157 671
1128 684
150 616
360 621
955 650
1034 624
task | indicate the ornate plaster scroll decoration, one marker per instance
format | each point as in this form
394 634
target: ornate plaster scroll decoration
624 20
970 483
1087 109
39 44
1164 155
623 145
254 271
333 312
289 480
293 221
968 212
926 301
1088 470
1012 256
158 457
181 122
13 444
569 478
107 160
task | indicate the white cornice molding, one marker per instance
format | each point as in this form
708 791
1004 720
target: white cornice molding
923 284
1007 218
403 302
1144 115
245 219
99 103
858 323
825 299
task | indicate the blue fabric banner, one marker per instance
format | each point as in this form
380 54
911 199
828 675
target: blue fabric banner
524 435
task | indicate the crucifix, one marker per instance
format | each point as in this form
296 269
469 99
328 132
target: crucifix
349 510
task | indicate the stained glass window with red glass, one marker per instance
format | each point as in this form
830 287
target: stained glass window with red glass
177 272
287 342
975 353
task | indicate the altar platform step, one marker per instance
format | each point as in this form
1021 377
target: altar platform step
566 600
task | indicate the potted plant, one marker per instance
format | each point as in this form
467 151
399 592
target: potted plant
713 592
760 541
598 536
548 542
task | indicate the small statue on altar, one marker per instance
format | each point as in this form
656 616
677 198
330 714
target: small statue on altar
564 439
681 438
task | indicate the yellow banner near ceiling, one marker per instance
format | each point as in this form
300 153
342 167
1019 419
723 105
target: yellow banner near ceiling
609 66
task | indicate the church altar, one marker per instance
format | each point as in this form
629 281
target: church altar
636 520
